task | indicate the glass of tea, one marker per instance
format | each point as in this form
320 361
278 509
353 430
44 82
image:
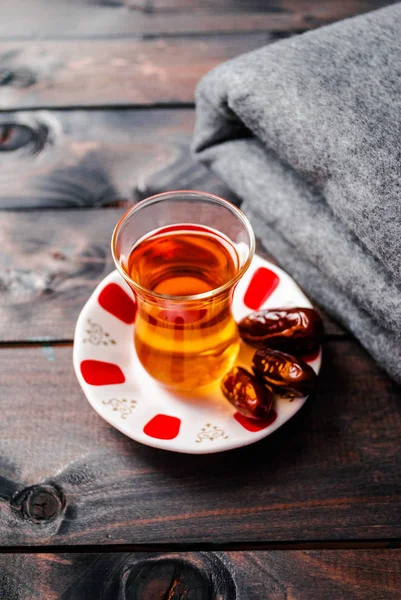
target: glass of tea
182 253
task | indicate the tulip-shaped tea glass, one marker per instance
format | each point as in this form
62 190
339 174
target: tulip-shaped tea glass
182 253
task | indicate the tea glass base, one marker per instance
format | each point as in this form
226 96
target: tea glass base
183 372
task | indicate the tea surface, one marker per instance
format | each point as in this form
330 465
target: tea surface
183 262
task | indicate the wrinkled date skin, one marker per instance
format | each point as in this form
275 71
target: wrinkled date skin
249 396
293 330
286 375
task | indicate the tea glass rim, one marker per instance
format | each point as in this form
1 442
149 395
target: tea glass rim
169 196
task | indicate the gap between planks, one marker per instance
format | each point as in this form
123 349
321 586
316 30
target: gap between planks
329 337
383 544
101 107
276 34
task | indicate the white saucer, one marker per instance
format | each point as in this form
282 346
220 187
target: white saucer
121 391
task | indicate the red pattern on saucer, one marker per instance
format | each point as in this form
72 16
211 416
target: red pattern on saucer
163 427
113 299
261 286
253 424
98 372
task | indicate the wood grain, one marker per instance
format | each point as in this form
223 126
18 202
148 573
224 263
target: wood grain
52 260
92 158
74 19
339 574
50 263
112 72
333 9
331 473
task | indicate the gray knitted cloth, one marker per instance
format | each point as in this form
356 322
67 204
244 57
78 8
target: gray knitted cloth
307 132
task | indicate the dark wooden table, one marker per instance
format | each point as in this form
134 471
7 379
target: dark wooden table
97 112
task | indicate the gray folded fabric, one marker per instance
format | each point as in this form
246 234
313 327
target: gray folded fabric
307 132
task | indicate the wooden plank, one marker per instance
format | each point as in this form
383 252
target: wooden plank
112 72
62 21
332 473
81 158
50 263
339 574
38 19
317 9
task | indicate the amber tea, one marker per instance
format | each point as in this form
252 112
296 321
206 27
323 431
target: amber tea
195 340
182 254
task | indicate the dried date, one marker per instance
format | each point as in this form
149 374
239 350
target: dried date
286 375
249 396
293 330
